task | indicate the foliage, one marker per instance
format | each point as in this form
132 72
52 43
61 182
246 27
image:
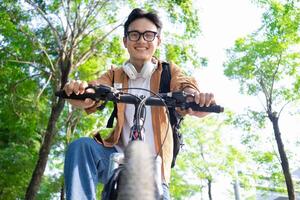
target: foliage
266 63
50 188
20 136
207 154
181 187
261 60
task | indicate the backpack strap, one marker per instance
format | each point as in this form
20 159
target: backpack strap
165 83
165 79
175 118
113 115
164 87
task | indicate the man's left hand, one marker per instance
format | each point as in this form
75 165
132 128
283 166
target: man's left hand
203 99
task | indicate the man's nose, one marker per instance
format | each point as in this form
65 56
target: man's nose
141 39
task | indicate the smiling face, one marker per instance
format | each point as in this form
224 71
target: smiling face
141 50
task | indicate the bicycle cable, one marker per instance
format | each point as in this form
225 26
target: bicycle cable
167 113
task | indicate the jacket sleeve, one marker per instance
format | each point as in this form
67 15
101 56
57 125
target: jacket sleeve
105 79
179 80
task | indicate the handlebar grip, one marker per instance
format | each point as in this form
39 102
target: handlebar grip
212 108
63 94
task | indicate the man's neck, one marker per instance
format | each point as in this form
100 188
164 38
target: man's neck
138 64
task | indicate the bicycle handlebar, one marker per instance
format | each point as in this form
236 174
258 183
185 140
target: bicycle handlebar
171 99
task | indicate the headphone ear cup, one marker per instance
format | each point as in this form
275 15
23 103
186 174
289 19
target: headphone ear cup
148 69
130 70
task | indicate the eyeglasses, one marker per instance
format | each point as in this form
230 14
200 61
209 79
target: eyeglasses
148 36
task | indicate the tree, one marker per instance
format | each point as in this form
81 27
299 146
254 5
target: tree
205 157
49 41
21 115
263 61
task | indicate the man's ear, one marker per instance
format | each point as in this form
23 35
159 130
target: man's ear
158 40
125 42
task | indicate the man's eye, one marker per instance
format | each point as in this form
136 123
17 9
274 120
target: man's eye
149 35
134 34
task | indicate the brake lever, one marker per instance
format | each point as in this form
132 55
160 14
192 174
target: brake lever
180 96
180 99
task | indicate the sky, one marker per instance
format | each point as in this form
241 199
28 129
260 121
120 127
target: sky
222 22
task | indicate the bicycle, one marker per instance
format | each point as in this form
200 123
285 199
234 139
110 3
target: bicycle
126 182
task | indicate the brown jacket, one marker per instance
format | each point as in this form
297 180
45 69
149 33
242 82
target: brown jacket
159 118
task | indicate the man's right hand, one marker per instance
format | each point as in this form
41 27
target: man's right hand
79 87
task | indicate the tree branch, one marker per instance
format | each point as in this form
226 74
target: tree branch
261 102
32 64
274 150
75 23
274 74
55 32
22 62
42 90
68 126
81 27
24 79
84 35
282 108
69 29
67 14
266 93
91 15
86 55
263 87
33 38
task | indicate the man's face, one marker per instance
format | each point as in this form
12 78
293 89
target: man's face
141 50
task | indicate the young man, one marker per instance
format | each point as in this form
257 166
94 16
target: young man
86 162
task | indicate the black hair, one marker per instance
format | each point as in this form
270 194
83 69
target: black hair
138 13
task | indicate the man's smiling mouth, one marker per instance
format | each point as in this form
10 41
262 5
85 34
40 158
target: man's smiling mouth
140 48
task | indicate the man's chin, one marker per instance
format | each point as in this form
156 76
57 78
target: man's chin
143 58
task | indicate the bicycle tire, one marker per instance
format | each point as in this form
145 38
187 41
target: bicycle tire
137 180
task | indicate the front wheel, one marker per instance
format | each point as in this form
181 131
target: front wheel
137 180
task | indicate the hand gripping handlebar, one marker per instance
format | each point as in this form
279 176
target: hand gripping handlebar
171 99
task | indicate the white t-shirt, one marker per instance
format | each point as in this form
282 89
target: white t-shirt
139 82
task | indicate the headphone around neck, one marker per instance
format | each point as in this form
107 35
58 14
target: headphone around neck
148 68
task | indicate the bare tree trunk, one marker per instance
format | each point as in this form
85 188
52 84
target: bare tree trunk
65 66
283 157
62 191
209 189
236 183
44 151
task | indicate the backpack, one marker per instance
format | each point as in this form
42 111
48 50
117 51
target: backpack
175 117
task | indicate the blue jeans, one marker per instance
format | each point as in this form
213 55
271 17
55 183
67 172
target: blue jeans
86 164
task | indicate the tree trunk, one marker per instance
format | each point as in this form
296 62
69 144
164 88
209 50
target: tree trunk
44 151
62 191
65 67
283 157
209 189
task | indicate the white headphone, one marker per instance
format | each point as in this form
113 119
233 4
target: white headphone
148 68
